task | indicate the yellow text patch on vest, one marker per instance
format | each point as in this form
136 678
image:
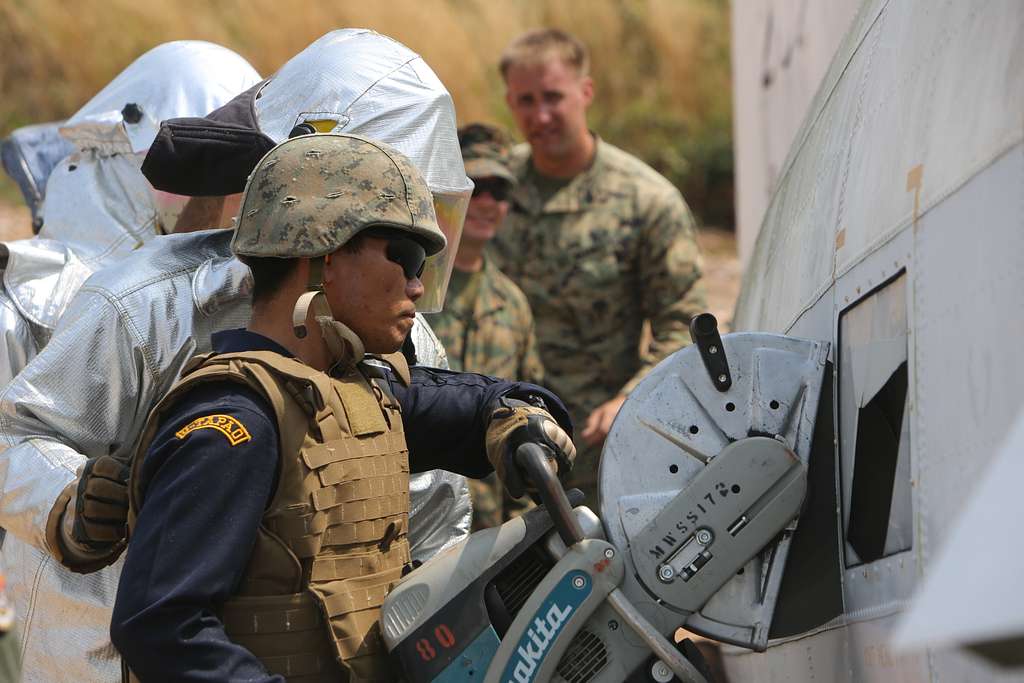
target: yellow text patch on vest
234 430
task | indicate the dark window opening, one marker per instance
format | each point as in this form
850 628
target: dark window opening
873 424
879 425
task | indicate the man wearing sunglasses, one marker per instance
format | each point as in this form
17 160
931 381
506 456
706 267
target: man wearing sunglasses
269 492
486 325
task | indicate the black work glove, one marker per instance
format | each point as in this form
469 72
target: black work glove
101 504
514 423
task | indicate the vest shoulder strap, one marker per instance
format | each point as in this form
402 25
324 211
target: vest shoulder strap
314 390
400 365
308 386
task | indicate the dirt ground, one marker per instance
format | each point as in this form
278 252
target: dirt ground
721 273
721 266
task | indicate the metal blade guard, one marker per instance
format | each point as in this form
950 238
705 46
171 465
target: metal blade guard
703 476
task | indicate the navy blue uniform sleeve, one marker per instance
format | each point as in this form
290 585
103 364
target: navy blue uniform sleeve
207 483
446 415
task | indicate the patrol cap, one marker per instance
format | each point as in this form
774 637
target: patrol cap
485 151
311 194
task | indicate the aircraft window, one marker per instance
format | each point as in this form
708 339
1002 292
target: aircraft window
874 435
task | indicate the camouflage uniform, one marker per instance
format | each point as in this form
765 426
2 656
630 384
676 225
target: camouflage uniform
610 248
487 327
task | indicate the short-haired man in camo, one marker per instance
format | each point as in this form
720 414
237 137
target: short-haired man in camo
598 241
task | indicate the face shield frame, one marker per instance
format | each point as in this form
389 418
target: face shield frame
450 208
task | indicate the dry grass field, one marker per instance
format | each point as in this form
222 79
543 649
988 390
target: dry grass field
661 69
661 66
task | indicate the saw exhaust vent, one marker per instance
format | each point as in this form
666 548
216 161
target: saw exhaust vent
585 658
515 584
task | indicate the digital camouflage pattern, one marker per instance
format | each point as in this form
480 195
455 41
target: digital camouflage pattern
613 247
310 194
487 327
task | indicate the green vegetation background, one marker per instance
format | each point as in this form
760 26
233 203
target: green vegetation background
661 67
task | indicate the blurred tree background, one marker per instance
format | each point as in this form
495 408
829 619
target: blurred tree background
661 67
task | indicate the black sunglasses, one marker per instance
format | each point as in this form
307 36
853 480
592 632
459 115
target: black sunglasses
496 187
403 250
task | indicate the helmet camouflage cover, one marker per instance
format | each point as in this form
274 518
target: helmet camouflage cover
485 151
311 194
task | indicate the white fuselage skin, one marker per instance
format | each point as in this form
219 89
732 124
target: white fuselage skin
906 175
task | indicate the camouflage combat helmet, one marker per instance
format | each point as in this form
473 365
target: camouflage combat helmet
485 151
309 195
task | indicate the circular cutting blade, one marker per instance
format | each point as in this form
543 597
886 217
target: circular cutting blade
676 422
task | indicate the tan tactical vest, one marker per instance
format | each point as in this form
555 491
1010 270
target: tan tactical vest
332 542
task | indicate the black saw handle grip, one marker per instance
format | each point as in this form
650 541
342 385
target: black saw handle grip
533 460
704 333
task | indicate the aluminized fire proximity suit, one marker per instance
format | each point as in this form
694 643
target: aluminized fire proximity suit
130 329
98 206
99 209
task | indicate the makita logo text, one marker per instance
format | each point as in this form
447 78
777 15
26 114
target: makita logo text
540 635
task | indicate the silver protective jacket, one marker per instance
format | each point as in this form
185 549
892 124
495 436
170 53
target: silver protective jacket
117 349
98 206
440 507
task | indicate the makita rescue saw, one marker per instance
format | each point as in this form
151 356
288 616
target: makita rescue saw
702 480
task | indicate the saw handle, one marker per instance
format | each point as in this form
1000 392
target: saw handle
704 333
533 460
